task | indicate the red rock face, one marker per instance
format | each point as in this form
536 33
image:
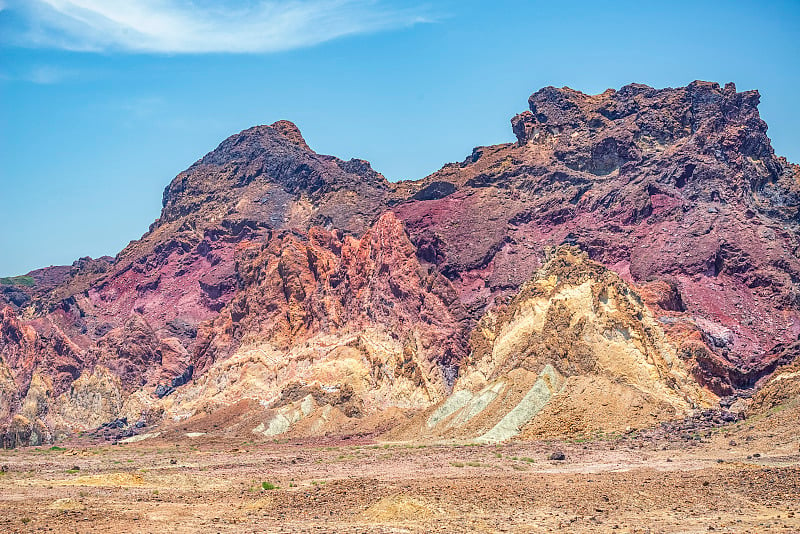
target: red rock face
37 344
185 281
677 190
677 185
296 286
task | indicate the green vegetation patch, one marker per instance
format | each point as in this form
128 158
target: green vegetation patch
24 280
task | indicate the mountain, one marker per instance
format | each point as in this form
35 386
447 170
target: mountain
638 249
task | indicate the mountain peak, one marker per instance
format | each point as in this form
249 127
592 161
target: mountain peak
645 112
290 130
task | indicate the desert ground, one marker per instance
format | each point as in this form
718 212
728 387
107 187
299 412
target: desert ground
743 477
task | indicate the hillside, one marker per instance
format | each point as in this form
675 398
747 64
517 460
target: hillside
637 249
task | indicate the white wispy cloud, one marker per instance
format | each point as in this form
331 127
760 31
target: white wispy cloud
198 26
38 74
47 74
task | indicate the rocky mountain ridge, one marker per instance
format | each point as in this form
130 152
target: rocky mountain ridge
332 296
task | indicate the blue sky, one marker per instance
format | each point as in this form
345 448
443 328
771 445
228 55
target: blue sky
103 102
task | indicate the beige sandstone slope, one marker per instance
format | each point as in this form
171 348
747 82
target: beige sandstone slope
575 351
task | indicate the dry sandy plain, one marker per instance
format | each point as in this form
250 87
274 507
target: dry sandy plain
740 478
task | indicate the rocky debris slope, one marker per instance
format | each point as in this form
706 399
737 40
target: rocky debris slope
328 294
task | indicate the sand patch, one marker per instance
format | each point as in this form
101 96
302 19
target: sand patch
134 479
140 437
260 504
111 480
66 505
398 508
